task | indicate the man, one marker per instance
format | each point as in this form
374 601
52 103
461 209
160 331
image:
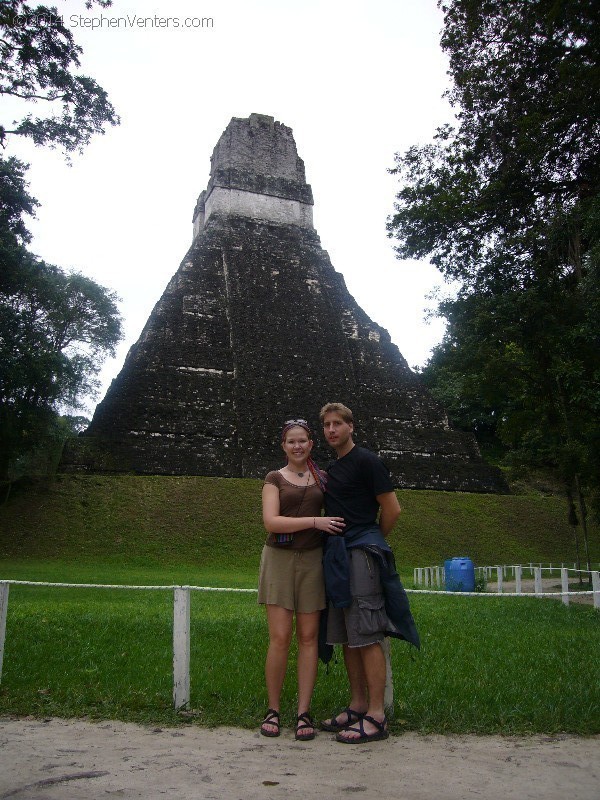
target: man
360 490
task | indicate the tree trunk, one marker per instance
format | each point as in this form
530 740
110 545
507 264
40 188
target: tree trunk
574 522
583 515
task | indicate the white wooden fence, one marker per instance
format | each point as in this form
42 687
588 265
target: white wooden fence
181 625
433 578
181 631
428 576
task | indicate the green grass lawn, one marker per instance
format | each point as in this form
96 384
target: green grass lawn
487 664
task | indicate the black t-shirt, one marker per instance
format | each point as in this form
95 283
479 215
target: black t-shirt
353 483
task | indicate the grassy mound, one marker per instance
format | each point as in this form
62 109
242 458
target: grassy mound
209 523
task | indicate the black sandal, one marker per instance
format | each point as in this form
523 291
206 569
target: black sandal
333 726
272 718
381 731
303 721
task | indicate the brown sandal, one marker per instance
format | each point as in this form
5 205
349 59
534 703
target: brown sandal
333 726
303 721
272 718
381 731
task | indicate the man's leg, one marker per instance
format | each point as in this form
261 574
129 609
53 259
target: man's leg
359 698
358 688
373 669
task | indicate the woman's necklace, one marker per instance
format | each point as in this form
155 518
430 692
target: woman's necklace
299 474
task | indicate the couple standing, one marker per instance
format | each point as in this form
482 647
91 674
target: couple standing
340 563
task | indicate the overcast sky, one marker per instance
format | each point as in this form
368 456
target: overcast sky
356 81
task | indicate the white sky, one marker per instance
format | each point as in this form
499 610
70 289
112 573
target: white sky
356 81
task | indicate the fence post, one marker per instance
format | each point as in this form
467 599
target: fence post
3 609
499 576
415 576
518 574
181 647
537 579
388 698
437 577
564 580
596 588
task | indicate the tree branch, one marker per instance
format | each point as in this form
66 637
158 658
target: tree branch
49 98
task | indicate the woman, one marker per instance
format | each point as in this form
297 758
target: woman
291 573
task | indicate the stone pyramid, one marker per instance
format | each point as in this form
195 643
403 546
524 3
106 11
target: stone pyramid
256 327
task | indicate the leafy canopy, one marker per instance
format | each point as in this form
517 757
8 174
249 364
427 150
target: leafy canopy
56 328
506 201
38 58
526 147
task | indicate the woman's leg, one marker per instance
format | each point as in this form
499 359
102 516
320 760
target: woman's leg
307 633
280 621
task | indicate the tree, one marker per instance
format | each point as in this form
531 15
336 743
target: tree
37 57
507 202
525 156
55 327
55 330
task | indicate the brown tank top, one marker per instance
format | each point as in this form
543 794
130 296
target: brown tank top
297 501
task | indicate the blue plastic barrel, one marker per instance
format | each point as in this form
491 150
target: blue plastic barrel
460 574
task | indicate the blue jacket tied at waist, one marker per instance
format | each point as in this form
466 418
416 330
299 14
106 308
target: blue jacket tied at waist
337 578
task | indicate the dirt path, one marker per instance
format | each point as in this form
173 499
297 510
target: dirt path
548 585
73 759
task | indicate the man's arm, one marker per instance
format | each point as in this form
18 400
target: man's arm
390 511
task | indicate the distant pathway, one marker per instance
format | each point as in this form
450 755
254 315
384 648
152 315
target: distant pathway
548 585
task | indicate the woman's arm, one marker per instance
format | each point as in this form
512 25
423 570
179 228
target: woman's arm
274 522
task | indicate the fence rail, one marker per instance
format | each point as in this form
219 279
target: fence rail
432 577
428 576
181 624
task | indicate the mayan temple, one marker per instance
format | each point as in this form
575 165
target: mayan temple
256 327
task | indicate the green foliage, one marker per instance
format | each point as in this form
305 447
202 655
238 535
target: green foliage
55 327
55 330
38 56
507 203
16 201
526 87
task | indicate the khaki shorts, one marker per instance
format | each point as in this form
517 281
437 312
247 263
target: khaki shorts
292 579
365 621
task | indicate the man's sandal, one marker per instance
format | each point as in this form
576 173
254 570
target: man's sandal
303 722
272 718
359 727
334 726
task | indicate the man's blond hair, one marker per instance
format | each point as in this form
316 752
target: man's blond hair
336 408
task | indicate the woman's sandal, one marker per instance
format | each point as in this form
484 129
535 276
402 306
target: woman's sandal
303 722
380 733
334 726
272 718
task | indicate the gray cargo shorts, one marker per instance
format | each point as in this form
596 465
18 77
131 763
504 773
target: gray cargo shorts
365 621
